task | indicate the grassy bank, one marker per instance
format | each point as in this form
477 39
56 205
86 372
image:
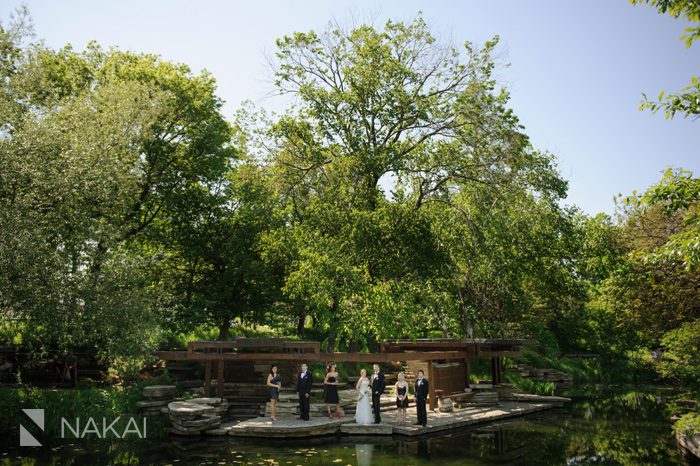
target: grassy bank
84 402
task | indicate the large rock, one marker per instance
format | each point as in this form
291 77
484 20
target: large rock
208 401
159 392
204 421
188 409
445 405
151 403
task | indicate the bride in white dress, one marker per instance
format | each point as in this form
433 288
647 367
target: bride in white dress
363 411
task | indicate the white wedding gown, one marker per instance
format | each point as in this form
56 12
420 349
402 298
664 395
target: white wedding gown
363 411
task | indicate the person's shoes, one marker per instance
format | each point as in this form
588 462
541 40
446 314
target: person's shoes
424 425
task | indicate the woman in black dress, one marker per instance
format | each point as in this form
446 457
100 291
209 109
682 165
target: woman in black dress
330 390
275 384
402 396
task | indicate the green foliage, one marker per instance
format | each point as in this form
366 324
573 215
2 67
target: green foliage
473 206
687 100
398 198
681 356
686 9
531 386
688 424
83 402
98 149
678 196
605 368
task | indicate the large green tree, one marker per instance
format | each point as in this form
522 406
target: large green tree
97 146
402 172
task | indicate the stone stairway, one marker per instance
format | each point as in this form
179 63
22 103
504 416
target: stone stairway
245 400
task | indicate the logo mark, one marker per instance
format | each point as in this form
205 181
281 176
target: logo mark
25 438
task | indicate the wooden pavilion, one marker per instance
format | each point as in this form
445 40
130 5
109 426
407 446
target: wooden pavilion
447 360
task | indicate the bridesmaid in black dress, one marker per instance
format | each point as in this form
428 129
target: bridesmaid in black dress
402 396
330 390
274 383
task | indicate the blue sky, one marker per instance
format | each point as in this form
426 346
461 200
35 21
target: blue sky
577 68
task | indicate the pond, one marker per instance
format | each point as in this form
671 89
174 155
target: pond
618 427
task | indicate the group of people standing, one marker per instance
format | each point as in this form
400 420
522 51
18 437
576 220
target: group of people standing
368 388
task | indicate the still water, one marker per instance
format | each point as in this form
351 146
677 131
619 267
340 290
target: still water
604 428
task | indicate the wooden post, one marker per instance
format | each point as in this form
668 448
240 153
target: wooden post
431 384
466 372
495 370
220 378
207 378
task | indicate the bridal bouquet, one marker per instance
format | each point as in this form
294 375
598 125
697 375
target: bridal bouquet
363 392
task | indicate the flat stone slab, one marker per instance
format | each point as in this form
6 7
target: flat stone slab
437 422
204 421
158 391
223 429
473 415
151 403
287 427
189 410
198 429
175 431
208 401
367 429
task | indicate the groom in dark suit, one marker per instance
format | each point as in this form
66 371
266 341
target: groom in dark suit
304 391
421 396
377 390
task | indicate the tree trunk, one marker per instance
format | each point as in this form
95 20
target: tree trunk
443 322
332 337
353 347
300 325
225 330
333 333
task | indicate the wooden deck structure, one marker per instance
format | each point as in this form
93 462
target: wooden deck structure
438 422
433 351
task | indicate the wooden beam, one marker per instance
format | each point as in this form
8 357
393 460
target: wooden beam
494 354
316 357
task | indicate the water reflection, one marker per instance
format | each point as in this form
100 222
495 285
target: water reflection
619 428
363 453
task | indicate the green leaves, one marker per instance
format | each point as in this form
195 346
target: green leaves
99 150
447 249
687 100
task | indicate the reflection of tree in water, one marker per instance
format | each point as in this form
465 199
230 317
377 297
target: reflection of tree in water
627 428
623 428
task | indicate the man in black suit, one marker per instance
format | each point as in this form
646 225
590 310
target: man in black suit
377 390
304 391
421 396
